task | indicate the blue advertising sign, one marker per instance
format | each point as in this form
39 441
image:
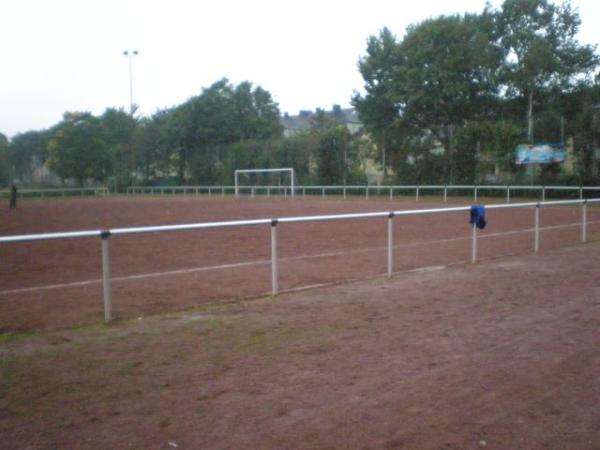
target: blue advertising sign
540 153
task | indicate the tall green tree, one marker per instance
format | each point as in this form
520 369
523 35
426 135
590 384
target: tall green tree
542 50
581 109
255 114
221 115
203 123
377 108
28 151
119 127
442 73
447 73
78 149
333 158
155 144
4 161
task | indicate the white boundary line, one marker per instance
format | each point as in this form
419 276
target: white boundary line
289 258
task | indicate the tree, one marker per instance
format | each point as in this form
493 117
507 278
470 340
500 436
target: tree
377 109
255 114
542 51
441 74
4 161
28 151
78 149
119 127
221 115
582 110
297 152
484 149
423 162
155 143
332 155
446 73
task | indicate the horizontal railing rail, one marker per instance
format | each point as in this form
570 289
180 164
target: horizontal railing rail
105 234
366 190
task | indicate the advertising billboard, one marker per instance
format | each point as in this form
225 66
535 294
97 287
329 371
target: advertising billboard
540 153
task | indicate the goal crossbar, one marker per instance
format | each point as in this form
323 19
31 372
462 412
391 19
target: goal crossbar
284 170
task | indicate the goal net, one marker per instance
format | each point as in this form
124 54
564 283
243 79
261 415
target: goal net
264 181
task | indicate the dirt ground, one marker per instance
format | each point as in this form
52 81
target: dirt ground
47 285
500 355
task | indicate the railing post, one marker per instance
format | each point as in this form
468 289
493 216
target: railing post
543 193
344 192
274 257
106 288
367 192
323 192
584 222
417 194
581 192
536 243
445 193
507 193
390 249
475 193
391 194
222 192
303 192
474 245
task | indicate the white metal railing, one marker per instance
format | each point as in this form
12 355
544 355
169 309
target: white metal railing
185 190
357 190
58 192
273 223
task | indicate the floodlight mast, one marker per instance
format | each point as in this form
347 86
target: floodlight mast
284 169
130 55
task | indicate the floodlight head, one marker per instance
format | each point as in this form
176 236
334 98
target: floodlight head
125 52
135 52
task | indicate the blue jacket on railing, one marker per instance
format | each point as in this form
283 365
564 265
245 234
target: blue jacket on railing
478 216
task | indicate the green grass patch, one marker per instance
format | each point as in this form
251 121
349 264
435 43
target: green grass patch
8 337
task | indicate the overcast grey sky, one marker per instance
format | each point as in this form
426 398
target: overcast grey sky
66 55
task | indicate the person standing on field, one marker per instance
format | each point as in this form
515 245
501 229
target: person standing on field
13 197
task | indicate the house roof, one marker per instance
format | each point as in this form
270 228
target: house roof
305 120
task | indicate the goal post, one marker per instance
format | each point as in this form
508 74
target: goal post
288 170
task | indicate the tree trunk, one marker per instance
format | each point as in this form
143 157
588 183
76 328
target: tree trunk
181 166
530 116
446 138
383 153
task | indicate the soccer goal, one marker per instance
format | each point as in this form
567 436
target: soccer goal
285 179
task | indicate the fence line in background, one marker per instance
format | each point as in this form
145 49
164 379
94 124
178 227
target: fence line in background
366 191
274 223
59 192
313 190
